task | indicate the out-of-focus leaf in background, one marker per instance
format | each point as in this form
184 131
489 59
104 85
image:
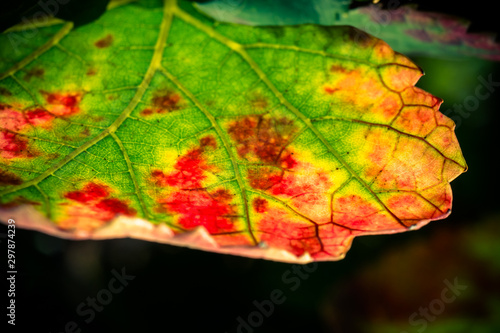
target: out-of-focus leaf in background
404 28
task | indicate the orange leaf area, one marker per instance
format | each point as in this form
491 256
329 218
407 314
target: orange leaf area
91 208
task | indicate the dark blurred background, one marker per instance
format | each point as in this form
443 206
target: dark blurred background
385 283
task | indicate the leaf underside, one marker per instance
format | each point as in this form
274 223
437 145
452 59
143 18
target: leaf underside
157 123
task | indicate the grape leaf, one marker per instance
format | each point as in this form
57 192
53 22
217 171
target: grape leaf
158 123
405 29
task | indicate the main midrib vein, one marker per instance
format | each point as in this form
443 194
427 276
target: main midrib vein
240 49
141 89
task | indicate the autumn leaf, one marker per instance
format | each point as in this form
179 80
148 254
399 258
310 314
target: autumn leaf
155 122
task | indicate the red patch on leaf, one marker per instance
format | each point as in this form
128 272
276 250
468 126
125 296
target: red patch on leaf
288 162
390 107
90 192
12 146
189 168
38 117
62 104
104 42
292 185
115 206
301 186
93 208
189 172
10 119
200 208
444 201
353 206
195 205
412 207
281 230
264 178
13 121
356 212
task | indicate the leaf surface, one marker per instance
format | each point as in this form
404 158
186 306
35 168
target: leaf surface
157 123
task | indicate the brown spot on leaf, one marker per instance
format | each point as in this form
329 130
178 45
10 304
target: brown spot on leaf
34 72
146 112
338 68
329 90
91 72
208 141
18 202
8 178
258 102
164 101
260 205
264 178
5 92
85 132
167 101
51 157
264 139
104 42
